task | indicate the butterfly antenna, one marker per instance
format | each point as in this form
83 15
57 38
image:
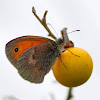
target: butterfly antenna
53 29
72 53
73 31
62 62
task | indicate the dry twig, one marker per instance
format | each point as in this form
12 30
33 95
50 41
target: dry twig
43 22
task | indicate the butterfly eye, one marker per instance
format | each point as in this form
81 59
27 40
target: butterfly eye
16 49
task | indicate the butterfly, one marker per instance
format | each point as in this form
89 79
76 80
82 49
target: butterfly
34 56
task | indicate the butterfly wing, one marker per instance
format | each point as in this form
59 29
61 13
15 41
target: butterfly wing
32 56
36 62
17 46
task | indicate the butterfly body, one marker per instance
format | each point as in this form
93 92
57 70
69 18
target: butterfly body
33 56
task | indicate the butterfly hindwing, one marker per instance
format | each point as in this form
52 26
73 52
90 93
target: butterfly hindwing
36 62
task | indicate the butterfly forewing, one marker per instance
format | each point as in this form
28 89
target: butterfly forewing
32 56
21 44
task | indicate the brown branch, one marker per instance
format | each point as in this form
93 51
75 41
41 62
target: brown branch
69 94
65 35
68 43
43 22
44 18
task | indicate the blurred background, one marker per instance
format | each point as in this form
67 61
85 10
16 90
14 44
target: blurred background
17 19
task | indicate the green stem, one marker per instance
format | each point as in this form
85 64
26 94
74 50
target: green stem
69 94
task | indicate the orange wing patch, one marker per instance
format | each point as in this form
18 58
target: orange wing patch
25 44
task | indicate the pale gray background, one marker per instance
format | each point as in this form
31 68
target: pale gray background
16 19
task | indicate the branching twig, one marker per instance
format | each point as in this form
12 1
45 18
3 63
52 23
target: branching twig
43 22
69 94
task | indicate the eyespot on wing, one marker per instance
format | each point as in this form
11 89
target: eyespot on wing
17 46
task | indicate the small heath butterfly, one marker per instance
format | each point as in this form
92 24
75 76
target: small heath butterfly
34 56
